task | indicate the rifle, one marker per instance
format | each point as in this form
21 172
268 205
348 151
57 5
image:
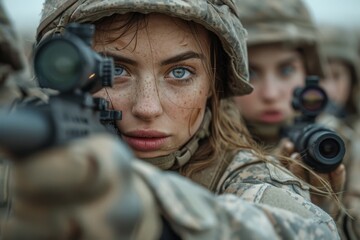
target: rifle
321 148
68 64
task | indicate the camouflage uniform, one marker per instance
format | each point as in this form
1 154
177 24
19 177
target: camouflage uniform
289 23
340 44
253 198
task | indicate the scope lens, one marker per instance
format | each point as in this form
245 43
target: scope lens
329 148
312 99
58 65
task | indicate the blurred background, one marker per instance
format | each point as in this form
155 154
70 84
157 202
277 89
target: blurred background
25 15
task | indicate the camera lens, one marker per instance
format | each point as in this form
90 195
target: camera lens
329 148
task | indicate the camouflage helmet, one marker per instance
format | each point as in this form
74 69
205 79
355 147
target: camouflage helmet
342 44
218 16
283 21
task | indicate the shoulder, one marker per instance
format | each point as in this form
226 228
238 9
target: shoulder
247 169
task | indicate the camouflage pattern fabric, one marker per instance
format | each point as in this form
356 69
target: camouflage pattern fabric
194 213
220 17
123 192
283 21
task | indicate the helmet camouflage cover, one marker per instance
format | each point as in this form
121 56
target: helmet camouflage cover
218 16
282 21
342 44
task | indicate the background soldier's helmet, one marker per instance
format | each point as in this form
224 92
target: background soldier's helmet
10 54
341 44
220 17
283 21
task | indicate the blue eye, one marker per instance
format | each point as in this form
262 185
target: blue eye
120 71
287 70
252 74
180 73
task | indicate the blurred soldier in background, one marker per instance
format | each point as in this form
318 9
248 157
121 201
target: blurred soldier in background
14 85
283 49
341 83
16 82
12 63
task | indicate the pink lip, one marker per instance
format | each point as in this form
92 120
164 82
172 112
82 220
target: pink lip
145 140
271 117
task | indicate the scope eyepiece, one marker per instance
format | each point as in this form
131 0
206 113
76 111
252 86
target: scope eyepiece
320 148
67 62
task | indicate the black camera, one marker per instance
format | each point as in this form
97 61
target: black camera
321 148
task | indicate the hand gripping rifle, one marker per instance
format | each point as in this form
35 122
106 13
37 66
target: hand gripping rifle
321 148
68 64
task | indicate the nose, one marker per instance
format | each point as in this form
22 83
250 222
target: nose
147 102
269 89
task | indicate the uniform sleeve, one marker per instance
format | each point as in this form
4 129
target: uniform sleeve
195 213
270 184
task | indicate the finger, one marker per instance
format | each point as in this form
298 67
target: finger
285 148
338 178
297 167
84 168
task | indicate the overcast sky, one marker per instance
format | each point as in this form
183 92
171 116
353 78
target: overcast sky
26 13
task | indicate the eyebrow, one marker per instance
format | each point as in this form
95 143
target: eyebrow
282 62
288 60
174 59
182 57
119 57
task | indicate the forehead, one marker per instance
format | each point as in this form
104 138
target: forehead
276 52
154 25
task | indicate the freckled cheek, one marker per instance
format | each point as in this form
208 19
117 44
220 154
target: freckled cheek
191 97
191 109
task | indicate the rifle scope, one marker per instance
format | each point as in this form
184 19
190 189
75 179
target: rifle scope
320 148
66 62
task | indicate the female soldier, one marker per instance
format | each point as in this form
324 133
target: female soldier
283 50
341 83
174 60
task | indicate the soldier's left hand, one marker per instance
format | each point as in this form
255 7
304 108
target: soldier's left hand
335 179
